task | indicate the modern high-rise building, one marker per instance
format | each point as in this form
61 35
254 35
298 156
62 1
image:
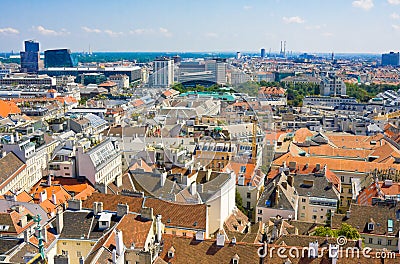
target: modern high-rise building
262 53
218 67
30 57
163 75
59 58
391 59
238 55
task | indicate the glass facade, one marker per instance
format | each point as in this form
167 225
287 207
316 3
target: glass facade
59 58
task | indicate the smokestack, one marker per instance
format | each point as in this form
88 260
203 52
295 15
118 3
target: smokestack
158 226
59 222
119 242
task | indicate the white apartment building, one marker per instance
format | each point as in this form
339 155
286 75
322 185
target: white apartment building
101 163
163 75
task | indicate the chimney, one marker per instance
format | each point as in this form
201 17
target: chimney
199 235
24 220
16 137
95 208
292 165
99 207
43 196
114 256
208 176
122 209
325 169
75 204
348 213
3 153
49 180
220 240
290 180
119 243
26 236
193 188
313 249
12 139
44 233
59 222
146 213
233 242
163 178
277 195
159 228
54 198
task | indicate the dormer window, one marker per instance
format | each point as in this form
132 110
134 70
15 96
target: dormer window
235 259
390 225
171 252
370 226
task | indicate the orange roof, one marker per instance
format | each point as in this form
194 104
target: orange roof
237 167
67 100
8 108
134 230
141 164
107 84
302 134
336 164
62 195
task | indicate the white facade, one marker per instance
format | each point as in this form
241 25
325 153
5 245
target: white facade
100 164
163 75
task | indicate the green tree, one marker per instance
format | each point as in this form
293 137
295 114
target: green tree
348 231
324 231
239 202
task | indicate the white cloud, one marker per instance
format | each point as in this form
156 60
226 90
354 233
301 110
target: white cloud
327 34
247 7
293 19
396 27
394 16
364 4
9 31
50 32
165 32
91 30
112 33
315 27
211 35
394 2
141 31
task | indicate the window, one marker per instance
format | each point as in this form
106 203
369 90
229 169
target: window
314 217
379 241
303 200
370 240
259 219
350 190
304 208
78 254
314 210
322 217
389 242
78 244
248 205
248 195
66 168
342 178
235 261
64 252
64 243
174 233
302 215
370 226
184 234
260 211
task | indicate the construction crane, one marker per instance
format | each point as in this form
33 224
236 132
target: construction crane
388 116
254 141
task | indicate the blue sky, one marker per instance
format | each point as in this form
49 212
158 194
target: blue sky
206 25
